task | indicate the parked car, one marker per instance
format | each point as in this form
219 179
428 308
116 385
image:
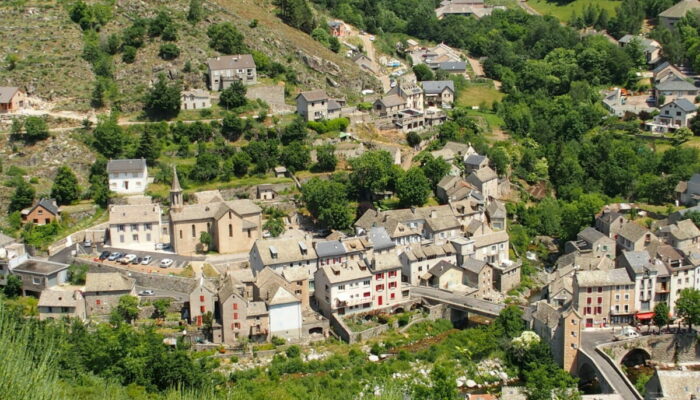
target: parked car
127 258
162 246
147 292
627 332
87 243
146 260
166 262
137 260
114 256
103 255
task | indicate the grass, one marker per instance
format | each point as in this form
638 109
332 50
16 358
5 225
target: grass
209 271
162 190
563 12
476 94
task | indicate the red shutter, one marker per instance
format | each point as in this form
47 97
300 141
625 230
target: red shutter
201 299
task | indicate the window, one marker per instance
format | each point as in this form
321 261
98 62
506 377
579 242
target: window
235 315
341 287
235 306
201 299
134 227
589 290
366 294
379 287
392 285
120 228
135 237
36 280
392 296
392 274
366 283
180 233
147 227
600 289
379 276
98 302
194 234
230 230
237 325
202 309
589 300
600 300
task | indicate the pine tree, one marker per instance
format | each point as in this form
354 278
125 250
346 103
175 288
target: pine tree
23 196
149 147
163 100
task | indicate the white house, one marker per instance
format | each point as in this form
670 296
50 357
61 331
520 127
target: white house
285 315
673 115
224 70
135 226
127 176
344 288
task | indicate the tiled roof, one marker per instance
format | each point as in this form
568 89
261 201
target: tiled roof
314 95
330 248
617 276
282 296
108 282
137 214
6 93
633 231
57 298
680 9
236 61
134 165
286 250
437 87
676 84
351 271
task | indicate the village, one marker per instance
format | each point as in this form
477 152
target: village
275 216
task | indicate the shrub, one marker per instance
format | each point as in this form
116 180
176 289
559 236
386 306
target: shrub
293 351
376 349
278 341
404 319
169 51
129 54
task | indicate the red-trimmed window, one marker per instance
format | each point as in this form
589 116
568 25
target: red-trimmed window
201 299
235 315
392 274
98 302
392 285
379 276
202 309
600 300
380 287
366 294
589 290
236 325
392 296
589 300
235 306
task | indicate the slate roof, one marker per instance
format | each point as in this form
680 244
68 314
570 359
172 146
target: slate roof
609 217
475 159
57 298
436 87
680 9
256 308
490 238
496 209
230 287
214 210
287 250
282 296
136 214
108 282
314 95
677 384
633 231
591 235
442 268
380 239
134 165
684 230
483 175
6 93
685 105
351 271
617 276
199 93
385 262
48 204
236 61
453 66
5 240
473 265
639 261
40 267
675 85
546 314
330 248
392 100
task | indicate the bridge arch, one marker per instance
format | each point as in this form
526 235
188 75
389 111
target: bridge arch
589 379
634 357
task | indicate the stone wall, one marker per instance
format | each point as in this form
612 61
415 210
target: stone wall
670 348
162 282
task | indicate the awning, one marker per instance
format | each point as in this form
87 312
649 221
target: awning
646 315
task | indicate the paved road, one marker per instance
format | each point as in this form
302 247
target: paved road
470 303
589 341
64 256
523 4
157 293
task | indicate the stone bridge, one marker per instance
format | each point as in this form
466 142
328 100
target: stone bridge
458 302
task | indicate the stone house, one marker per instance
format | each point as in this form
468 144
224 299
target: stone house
479 275
390 105
135 225
337 28
439 93
687 193
453 188
672 384
12 99
12 254
674 115
645 272
683 273
486 181
316 105
44 212
453 67
103 290
233 226
411 93
285 314
418 259
224 70
201 300
506 275
127 176
266 192
37 275
344 288
665 71
603 297
675 88
56 304
241 317
651 48
475 162
496 215
443 275
561 330
195 99
284 253
683 235
670 17
610 223
386 278
595 241
634 237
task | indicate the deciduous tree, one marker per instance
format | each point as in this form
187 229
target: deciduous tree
65 187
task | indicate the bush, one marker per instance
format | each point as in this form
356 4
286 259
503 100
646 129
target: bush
293 351
129 54
404 319
169 51
376 349
277 341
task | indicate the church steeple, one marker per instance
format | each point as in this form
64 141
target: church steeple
175 193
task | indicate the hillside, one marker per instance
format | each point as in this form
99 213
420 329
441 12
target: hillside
48 47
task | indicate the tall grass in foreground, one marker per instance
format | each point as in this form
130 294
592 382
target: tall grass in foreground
25 373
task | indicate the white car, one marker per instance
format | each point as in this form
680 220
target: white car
146 260
627 332
166 262
127 258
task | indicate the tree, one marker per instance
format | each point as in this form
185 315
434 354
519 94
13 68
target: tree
435 169
232 127
298 14
195 12
295 131
77 273
336 216
509 322
35 129
149 147
681 135
206 168
240 163
423 72
296 157
160 308
694 125
205 240
163 100
169 51
413 188
327 201
371 172
443 386
413 138
275 226
225 38
325 158
23 196
661 315
65 186
13 287
233 96
128 308
109 138
688 307
129 54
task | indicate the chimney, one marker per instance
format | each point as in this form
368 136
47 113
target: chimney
433 213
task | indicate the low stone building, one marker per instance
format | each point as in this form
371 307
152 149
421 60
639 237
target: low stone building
12 99
316 105
57 304
37 275
103 290
195 99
